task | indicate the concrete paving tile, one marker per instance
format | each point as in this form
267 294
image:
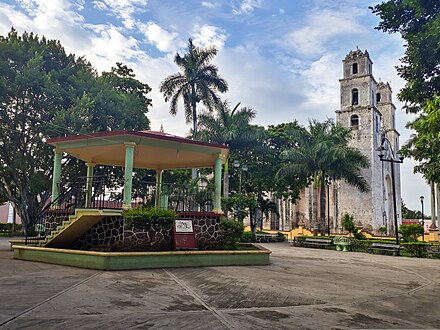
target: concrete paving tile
301 289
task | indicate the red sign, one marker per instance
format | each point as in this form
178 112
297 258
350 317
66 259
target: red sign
183 234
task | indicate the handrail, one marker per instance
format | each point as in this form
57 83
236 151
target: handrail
44 210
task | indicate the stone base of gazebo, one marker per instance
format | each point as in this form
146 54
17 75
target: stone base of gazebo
109 235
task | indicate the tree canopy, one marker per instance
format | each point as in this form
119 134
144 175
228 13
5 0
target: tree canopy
46 93
322 151
197 82
418 22
424 146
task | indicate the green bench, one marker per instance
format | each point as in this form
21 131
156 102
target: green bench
342 243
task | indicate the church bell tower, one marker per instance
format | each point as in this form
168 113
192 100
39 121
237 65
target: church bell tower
366 108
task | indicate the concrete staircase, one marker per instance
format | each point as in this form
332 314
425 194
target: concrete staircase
78 223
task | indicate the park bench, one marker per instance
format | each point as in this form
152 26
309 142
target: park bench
386 248
433 250
317 242
262 238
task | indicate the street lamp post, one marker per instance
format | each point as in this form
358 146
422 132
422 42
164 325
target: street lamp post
328 181
423 218
236 164
392 160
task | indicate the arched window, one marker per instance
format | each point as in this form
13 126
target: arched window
354 96
378 97
354 121
355 68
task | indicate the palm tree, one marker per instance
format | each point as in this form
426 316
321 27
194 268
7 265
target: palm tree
231 127
197 81
323 150
266 206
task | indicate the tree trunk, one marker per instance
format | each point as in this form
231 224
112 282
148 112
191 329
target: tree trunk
194 171
322 204
28 208
432 202
252 221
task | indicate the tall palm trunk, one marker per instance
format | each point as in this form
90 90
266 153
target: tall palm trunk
194 171
322 204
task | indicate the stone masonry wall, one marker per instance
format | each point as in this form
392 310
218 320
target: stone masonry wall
103 236
207 229
109 235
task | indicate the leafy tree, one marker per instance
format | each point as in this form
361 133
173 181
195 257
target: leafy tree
231 127
197 82
263 158
418 22
411 214
45 93
280 138
322 150
424 146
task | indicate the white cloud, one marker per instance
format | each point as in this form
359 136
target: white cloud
247 7
322 27
109 46
123 9
9 17
163 40
209 35
321 85
209 4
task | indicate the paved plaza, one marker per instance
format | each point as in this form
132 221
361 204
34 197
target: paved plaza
301 289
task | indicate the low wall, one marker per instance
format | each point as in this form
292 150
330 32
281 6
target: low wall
142 260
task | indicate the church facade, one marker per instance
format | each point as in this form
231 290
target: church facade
366 107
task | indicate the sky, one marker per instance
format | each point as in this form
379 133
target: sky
283 58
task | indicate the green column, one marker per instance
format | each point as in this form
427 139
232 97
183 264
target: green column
56 174
128 176
158 188
89 183
218 185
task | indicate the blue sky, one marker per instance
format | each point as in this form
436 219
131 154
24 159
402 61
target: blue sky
281 57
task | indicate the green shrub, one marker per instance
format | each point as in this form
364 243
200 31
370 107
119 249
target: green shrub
248 237
143 217
281 237
383 230
415 249
7 227
232 231
411 232
349 225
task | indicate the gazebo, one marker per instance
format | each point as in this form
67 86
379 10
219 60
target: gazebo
88 235
138 149
74 219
